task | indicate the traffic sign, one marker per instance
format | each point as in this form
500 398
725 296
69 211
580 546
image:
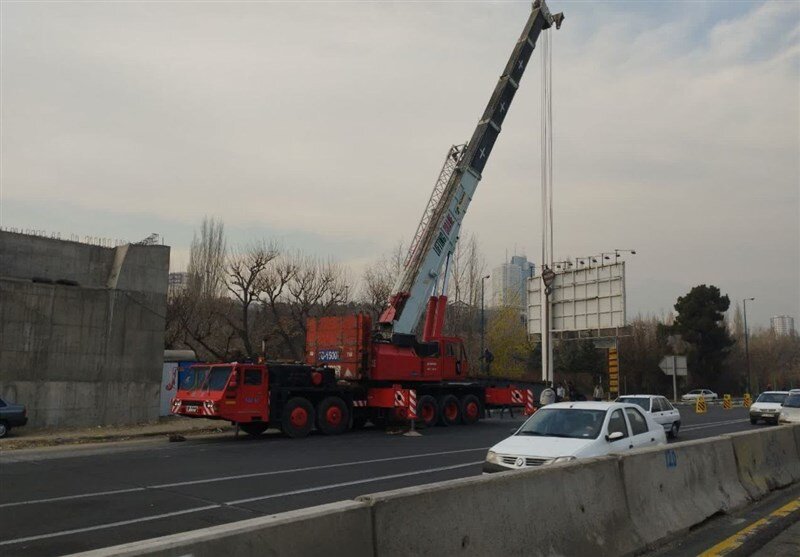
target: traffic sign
613 371
674 365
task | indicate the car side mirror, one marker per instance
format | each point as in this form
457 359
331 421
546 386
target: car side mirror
614 436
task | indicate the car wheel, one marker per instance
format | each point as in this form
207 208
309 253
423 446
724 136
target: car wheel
427 410
673 431
754 421
4 429
470 409
297 418
774 422
333 416
449 410
254 428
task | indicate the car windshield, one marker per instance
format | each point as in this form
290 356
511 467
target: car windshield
217 378
640 401
792 401
772 397
572 423
191 379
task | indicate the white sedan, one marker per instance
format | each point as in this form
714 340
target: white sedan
767 407
568 430
790 413
692 396
660 408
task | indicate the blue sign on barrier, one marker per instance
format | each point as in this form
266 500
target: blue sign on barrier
672 458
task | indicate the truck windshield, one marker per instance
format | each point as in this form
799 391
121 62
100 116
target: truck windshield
191 379
564 422
772 397
217 378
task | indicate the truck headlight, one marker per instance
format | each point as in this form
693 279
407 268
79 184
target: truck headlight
492 457
563 459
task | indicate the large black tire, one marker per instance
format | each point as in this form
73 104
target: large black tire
333 416
254 428
4 429
471 410
449 410
297 418
428 410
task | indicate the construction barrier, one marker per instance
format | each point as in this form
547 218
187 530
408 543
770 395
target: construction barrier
726 402
577 508
766 459
747 401
703 470
700 406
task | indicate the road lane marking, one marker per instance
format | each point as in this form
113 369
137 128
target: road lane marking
713 424
69 497
233 503
354 482
739 538
107 525
237 477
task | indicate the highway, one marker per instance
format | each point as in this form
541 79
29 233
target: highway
56 502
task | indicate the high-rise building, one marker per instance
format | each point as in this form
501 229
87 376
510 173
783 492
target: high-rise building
782 324
509 282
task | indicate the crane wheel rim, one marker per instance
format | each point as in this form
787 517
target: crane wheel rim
428 412
298 417
471 410
451 410
333 415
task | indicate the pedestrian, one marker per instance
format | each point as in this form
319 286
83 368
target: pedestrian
560 392
598 392
548 396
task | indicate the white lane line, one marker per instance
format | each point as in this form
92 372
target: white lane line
354 482
713 424
231 503
68 497
239 477
107 525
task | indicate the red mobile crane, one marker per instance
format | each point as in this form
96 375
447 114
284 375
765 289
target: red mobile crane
354 374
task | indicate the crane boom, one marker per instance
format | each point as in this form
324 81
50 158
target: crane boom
439 228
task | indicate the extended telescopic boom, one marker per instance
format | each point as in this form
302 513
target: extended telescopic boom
438 231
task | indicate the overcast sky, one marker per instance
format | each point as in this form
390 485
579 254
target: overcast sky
677 130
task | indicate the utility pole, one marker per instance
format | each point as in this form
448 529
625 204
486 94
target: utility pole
746 343
483 327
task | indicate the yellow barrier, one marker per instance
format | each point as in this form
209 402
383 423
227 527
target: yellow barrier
700 405
726 402
747 400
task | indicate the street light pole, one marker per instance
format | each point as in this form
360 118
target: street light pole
746 343
483 326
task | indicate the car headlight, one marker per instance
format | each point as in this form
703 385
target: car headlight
563 459
492 457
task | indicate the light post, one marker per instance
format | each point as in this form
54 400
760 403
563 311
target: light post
483 326
618 251
746 345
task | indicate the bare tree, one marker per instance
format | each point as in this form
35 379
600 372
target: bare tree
379 278
246 280
207 260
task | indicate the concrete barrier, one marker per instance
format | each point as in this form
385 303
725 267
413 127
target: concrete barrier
336 529
573 509
670 489
766 459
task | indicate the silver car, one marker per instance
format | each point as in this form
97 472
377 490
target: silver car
664 414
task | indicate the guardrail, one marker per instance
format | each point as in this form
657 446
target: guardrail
613 505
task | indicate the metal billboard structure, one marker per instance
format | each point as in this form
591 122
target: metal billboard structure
585 303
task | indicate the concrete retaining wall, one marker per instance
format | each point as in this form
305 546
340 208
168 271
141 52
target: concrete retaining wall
615 505
86 354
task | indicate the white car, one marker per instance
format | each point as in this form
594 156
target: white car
790 413
767 407
692 396
660 408
568 430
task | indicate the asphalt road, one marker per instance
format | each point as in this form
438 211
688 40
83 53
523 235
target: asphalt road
57 502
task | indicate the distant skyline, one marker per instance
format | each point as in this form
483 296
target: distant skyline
323 125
